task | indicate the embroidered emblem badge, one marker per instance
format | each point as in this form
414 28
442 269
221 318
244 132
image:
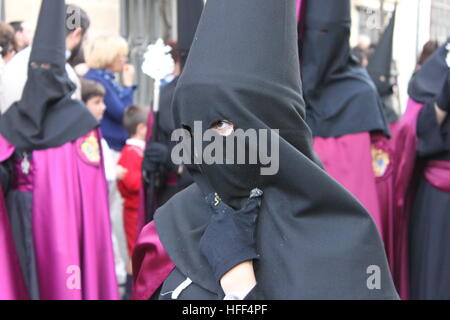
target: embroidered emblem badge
380 161
90 149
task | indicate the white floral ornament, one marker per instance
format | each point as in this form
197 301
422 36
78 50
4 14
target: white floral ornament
158 62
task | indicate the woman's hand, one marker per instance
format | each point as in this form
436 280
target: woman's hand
229 240
128 75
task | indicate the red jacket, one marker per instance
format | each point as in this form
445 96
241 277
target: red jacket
131 159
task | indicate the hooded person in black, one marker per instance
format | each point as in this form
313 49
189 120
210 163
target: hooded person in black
308 237
340 96
344 110
173 178
424 142
58 182
380 70
55 118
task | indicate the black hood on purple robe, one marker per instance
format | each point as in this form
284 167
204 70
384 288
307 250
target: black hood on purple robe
427 83
340 96
315 240
46 116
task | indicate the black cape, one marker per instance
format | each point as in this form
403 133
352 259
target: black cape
430 221
340 97
315 240
46 116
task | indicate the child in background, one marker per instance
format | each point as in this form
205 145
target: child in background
92 94
135 122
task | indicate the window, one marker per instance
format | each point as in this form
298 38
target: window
440 20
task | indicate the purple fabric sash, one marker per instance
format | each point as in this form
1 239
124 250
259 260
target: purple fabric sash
151 264
12 284
437 173
22 182
71 223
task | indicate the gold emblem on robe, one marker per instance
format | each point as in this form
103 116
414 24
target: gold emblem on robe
380 161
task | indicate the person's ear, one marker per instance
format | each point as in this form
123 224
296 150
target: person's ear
74 38
142 128
78 35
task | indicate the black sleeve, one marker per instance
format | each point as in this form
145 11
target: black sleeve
255 294
433 138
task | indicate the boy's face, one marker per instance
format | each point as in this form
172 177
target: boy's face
97 107
141 131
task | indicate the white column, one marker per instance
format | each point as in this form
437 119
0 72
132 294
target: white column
412 30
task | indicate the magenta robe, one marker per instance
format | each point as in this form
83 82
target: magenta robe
348 159
364 164
151 264
71 224
405 146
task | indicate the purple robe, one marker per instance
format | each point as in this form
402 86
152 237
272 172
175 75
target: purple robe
299 8
151 264
363 164
71 224
405 148
348 159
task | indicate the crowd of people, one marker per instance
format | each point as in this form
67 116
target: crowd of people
93 206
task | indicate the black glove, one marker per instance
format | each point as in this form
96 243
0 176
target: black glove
229 238
156 155
443 101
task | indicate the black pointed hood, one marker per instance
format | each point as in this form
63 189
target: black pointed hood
47 116
189 13
427 83
243 65
380 63
380 67
330 21
244 68
50 38
340 96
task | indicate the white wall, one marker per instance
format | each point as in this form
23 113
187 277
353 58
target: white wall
411 32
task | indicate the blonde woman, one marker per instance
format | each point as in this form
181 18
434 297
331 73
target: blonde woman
106 56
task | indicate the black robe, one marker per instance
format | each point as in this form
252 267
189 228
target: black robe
430 221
